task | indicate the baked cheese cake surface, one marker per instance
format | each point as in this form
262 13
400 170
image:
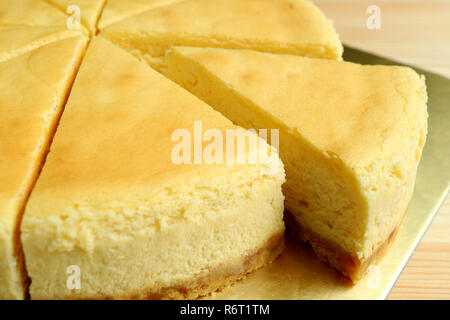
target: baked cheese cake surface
16 40
90 10
111 201
351 137
280 26
30 13
123 209
116 10
32 92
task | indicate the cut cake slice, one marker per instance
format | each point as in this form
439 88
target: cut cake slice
112 203
280 26
351 138
33 90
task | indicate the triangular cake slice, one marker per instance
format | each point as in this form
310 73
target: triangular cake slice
116 214
116 10
90 10
351 138
33 90
278 26
15 41
30 13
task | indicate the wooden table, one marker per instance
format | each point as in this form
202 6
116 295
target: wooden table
417 33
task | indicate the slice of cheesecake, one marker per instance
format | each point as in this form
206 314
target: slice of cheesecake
279 26
116 10
90 10
351 138
33 90
116 214
15 41
30 13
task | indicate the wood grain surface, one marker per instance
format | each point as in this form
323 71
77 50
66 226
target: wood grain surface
417 33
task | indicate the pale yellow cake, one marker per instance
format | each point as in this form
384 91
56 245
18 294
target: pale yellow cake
147 191
279 26
90 10
33 88
116 10
351 137
112 203
17 40
30 13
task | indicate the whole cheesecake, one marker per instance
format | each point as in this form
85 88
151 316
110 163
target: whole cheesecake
137 198
351 138
112 201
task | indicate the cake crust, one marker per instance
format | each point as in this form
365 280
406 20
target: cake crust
334 255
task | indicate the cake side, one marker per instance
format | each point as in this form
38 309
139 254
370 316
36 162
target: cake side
353 199
388 181
332 253
12 277
217 279
146 252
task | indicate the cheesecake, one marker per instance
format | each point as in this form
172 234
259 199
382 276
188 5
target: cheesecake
90 10
351 137
135 155
33 90
116 10
279 26
115 204
17 40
